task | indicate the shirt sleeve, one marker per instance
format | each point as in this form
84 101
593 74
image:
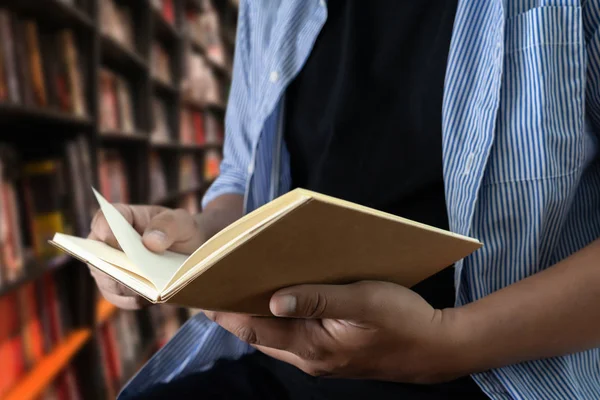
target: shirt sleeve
237 149
194 348
591 23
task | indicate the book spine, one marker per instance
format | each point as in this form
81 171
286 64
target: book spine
35 60
9 56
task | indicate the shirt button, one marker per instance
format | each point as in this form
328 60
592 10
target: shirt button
322 3
274 76
250 168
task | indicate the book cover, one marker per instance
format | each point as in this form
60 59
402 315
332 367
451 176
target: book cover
44 191
35 63
9 56
75 79
24 72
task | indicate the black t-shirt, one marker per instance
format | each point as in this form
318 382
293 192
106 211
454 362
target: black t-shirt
364 115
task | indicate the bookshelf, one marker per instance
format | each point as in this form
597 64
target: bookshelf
145 109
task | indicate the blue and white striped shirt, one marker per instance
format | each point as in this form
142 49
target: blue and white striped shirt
520 119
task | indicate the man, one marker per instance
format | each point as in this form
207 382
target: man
476 116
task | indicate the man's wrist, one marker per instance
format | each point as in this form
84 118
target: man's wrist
455 356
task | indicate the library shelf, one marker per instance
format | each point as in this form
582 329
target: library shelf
114 52
175 146
164 29
104 311
176 195
35 269
44 372
10 112
165 88
122 137
56 11
219 69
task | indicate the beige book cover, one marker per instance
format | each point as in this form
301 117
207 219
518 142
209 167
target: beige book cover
301 237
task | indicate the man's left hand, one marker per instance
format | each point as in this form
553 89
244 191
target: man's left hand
366 330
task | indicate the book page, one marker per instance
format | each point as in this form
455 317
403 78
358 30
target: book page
157 268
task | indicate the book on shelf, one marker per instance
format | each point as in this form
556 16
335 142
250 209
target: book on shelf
166 8
191 127
113 177
36 318
40 68
188 173
212 163
116 103
11 244
161 132
200 84
203 27
158 178
116 22
239 268
160 63
46 204
35 198
213 130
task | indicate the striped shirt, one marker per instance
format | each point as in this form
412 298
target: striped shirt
520 115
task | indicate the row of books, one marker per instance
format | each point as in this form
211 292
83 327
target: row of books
191 174
202 26
200 128
162 128
36 202
200 84
116 103
124 346
166 8
35 319
40 68
113 176
116 22
160 63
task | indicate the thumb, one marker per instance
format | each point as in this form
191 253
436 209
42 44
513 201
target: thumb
324 301
168 228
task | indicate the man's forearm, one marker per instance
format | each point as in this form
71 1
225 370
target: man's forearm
552 313
219 213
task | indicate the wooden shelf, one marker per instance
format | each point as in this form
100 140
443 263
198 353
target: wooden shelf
11 113
55 11
117 136
174 146
36 381
164 29
164 88
35 270
222 71
104 311
114 52
171 197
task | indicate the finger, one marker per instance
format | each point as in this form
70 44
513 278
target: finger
296 336
357 302
173 229
311 367
100 230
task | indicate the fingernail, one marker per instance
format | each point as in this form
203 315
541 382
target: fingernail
157 236
283 305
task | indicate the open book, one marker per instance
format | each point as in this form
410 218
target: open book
300 237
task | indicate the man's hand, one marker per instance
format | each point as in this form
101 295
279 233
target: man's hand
162 229
368 330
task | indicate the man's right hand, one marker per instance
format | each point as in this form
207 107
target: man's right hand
161 229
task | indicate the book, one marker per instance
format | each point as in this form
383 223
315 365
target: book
9 56
299 238
35 63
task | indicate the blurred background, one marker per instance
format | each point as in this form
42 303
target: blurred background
128 96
